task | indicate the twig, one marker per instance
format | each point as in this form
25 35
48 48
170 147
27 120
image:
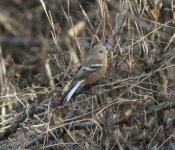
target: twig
15 123
90 124
17 41
119 23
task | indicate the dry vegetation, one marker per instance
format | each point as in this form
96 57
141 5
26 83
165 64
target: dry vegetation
42 43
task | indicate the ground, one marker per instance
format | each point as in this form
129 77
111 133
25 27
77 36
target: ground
43 43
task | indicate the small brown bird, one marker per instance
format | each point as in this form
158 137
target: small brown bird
90 71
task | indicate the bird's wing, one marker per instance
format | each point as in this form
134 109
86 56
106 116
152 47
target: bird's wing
87 67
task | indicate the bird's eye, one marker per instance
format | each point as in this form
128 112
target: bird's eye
101 51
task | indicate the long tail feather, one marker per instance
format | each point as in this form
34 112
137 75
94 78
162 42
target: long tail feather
70 92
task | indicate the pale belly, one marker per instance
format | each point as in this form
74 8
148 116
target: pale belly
94 77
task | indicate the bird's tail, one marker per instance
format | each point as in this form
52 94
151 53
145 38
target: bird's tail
70 92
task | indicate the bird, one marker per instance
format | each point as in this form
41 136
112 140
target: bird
92 68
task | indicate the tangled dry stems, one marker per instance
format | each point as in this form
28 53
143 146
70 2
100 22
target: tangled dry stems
131 107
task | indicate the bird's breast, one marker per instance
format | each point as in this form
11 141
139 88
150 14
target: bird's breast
94 77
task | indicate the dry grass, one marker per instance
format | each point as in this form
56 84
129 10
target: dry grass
128 109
